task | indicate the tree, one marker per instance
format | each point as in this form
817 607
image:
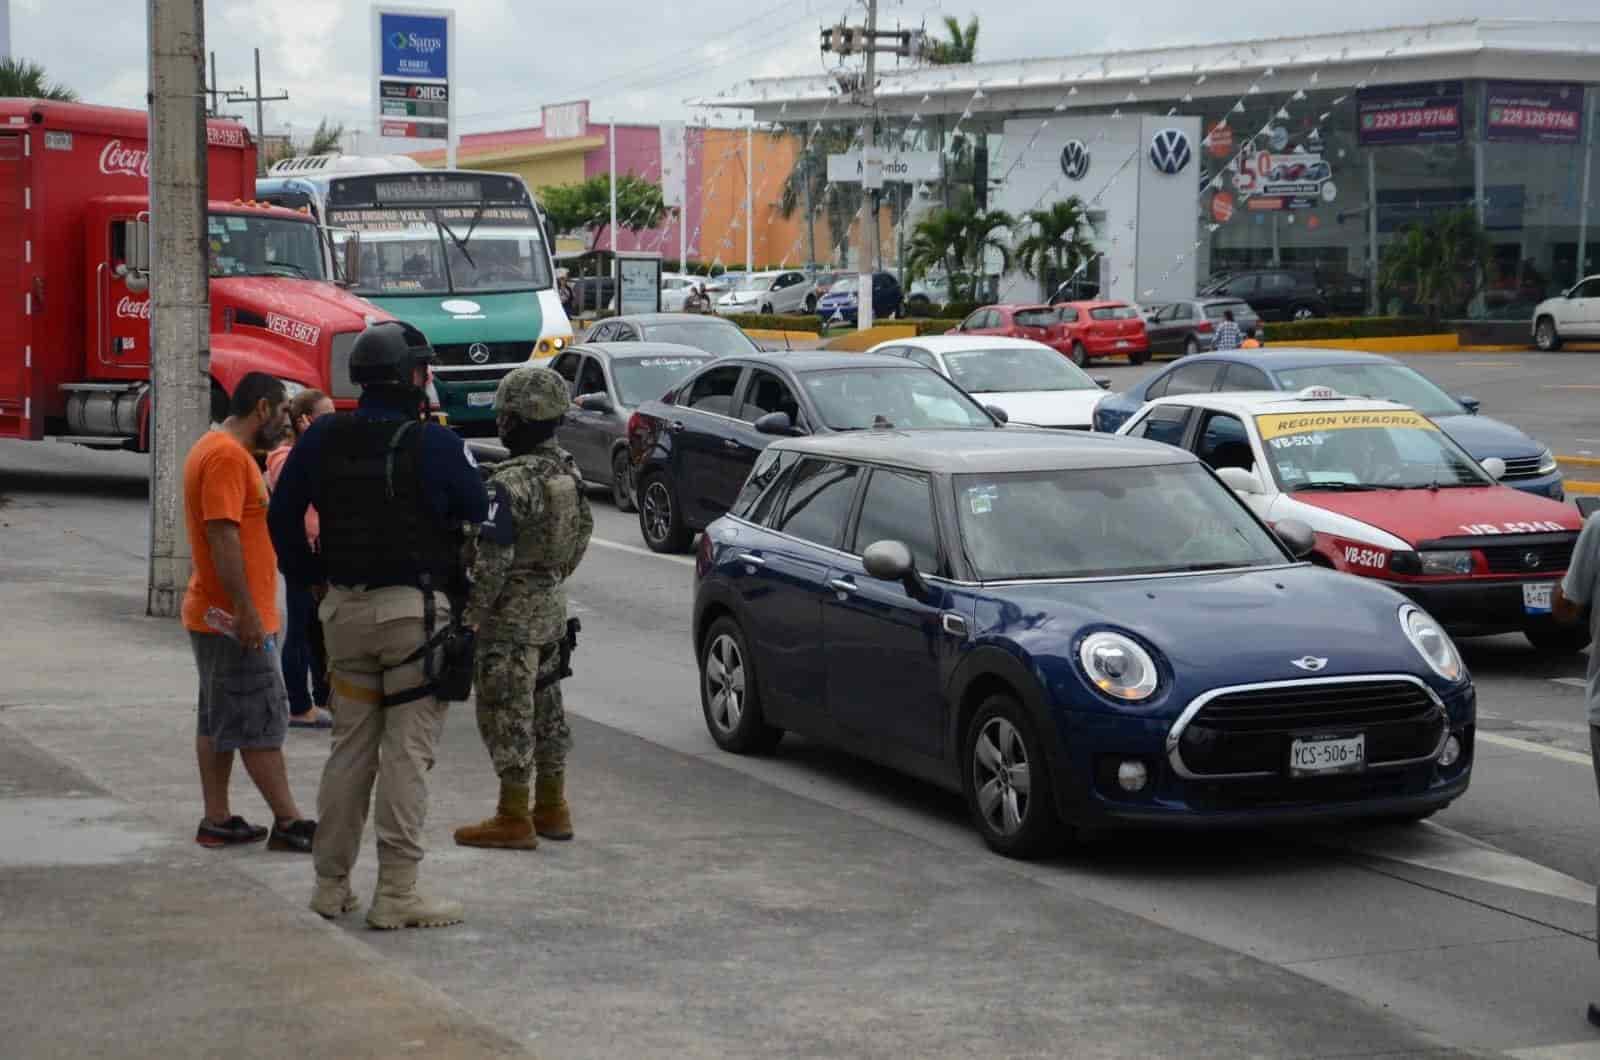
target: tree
807 186
936 243
959 46
22 79
588 205
1440 265
326 140
1058 244
958 240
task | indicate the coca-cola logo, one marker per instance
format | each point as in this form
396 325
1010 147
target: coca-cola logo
125 161
133 308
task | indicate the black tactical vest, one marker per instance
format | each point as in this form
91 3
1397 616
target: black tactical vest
376 528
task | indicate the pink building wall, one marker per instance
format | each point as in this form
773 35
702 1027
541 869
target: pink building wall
639 153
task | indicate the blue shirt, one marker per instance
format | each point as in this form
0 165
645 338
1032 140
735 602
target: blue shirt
452 486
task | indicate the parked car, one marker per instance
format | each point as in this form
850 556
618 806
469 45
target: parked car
1188 327
1275 294
1011 321
608 381
1389 497
1028 381
1073 633
692 448
711 334
840 304
720 284
678 290
1086 330
1574 315
766 293
820 284
1530 466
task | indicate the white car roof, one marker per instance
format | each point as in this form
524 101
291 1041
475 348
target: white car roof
961 343
1263 402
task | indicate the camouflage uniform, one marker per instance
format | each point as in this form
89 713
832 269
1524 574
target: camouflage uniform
538 529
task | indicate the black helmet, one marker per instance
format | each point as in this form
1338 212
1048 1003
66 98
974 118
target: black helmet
388 352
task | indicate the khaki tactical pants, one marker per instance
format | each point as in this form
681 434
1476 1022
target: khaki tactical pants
368 633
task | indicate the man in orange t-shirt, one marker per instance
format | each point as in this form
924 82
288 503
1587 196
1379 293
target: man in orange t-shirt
242 703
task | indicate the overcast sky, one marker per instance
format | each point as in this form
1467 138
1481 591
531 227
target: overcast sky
637 60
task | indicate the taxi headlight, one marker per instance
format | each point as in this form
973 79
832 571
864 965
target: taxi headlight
1447 562
1547 462
1431 642
1118 666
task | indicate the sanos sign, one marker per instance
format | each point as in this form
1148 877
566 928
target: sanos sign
414 45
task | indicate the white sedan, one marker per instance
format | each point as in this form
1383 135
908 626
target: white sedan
767 293
1030 382
1574 315
676 289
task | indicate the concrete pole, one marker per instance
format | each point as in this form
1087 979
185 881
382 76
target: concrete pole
1372 234
750 198
216 105
611 141
180 358
261 126
869 204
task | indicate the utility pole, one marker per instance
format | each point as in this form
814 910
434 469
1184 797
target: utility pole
180 318
238 95
749 198
212 90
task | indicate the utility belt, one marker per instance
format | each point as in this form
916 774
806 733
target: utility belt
568 644
447 656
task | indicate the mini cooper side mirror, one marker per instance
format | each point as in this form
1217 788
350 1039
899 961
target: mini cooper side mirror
891 561
1296 537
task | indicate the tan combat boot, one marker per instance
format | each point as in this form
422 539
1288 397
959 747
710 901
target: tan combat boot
552 818
333 897
398 905
511 827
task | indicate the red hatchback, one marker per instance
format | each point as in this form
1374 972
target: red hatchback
1086 330
1011 321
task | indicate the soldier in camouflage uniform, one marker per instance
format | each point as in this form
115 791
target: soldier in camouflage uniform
538 528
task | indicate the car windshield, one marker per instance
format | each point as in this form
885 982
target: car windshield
1115 312
642 378
721 338
264 246
1014 370
754 283
1079 524
851 399
1398 449
499 259
844 286
1381 382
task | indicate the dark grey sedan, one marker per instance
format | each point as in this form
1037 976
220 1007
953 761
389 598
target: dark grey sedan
1189 327
709 333
607 380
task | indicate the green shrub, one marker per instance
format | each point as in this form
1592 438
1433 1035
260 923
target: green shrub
1348 328
937 325
959 310
776 322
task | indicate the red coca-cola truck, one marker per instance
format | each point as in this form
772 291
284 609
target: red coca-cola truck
74 293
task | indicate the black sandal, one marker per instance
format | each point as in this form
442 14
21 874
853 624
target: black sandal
296 836
235 831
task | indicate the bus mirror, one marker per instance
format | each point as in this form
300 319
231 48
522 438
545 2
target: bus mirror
350 259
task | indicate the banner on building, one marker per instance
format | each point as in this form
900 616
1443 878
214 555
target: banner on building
674 164
413 51
564 121
1533 112
1427 112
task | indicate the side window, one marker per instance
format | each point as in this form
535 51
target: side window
623 333
898 507
1245 377
1591 289
760 489
1182 311
566 366
975 321
768 393
817 502
924 358
1244 286
1193 379
601 332
1158 388
591 378
1224 443
1069 315
713 390
1166 423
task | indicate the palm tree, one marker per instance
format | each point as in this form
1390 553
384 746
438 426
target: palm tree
983 233
958 239
936 243
1058 244
1444 263
22 79
959 46
325 141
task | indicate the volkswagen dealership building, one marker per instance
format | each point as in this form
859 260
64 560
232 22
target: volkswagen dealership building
1305 152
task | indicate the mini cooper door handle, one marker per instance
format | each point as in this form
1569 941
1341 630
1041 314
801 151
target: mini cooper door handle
843 585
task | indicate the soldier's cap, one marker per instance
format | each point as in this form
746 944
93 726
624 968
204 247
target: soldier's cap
532 392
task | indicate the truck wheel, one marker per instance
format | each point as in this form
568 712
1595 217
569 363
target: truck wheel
219 402
1303 312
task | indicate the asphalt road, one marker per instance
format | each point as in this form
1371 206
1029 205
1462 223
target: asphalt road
1478 927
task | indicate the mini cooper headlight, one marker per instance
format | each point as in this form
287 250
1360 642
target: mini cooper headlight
1431 642
1118 666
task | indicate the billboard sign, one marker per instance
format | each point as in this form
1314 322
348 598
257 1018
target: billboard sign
413 52
414 45
1533 112
1427 112
904 167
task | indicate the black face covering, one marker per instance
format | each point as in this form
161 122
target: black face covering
525 435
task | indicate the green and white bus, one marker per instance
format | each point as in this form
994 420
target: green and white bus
462 255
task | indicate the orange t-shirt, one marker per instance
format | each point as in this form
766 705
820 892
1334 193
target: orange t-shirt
221 481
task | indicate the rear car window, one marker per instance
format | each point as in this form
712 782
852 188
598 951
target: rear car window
1037 318
1215 312
1115 312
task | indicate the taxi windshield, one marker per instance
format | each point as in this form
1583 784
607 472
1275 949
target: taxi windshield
854 399
1015 370
1399 449
1380 382
1075 524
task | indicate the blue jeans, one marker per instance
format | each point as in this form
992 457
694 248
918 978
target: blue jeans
304 653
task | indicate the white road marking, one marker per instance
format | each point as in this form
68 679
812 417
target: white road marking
637 551
1433 846
1589 1050
1558 753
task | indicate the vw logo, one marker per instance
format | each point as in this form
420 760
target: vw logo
1531 560
1169 151
1075 160
478 353
1310 664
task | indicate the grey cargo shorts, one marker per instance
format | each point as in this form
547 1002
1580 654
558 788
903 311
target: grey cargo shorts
243 705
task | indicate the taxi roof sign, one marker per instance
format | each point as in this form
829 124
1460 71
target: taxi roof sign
1318 393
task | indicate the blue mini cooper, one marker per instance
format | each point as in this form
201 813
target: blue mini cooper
1074 631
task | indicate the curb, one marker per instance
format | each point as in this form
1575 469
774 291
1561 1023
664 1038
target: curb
1443 342
1579 461
1590 488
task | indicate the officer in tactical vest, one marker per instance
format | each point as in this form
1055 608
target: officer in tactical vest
392 491
538 528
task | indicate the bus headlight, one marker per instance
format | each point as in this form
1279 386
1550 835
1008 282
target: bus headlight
551 347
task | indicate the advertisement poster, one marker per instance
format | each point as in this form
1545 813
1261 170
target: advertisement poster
411 50
1299 180
641 285
1428 112
1533 112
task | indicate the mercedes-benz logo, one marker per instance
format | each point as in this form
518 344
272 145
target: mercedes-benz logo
1531 560
1075 160
1170 152
1310 663
478 353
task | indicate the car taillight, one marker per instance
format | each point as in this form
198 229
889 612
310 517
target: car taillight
1204 328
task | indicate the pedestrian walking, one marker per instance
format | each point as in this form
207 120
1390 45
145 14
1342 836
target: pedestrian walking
304 654
1575 600
1227 333
391 491
231 612
535 537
